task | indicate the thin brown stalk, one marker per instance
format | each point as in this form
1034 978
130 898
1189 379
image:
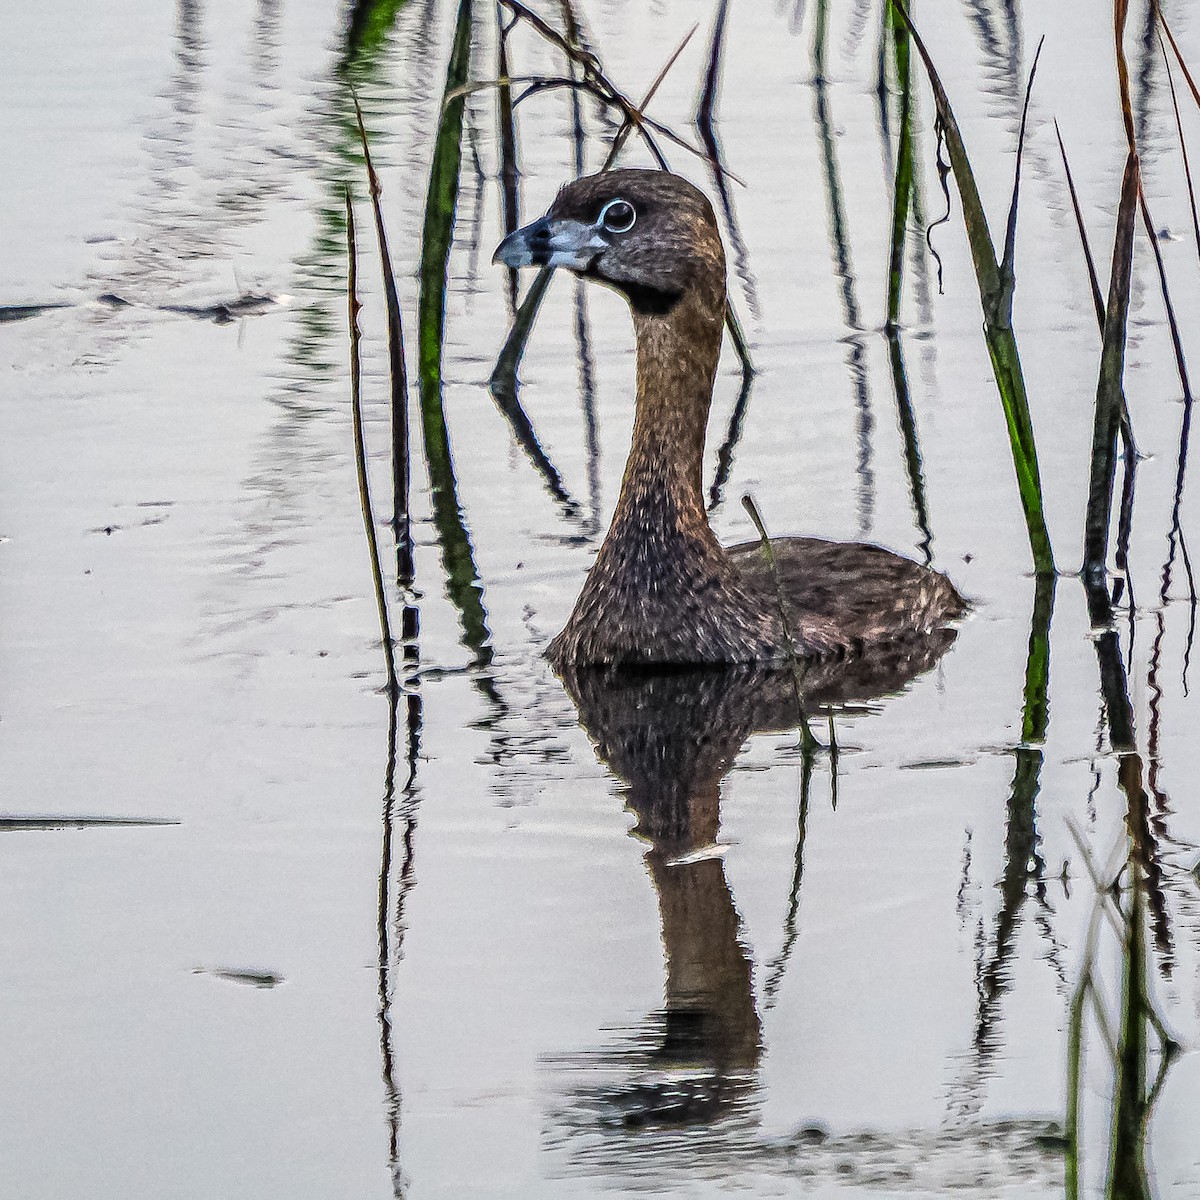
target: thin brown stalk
1120 13
627 125
1162 20
1129 446
807 741
1093 279
1108 391
595 75
360 452
397 375
1187 167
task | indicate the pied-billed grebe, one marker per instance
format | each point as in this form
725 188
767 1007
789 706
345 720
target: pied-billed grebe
662 590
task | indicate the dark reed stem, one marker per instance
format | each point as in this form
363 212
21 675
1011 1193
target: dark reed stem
390 932
737 335
705 121
706 109
513 350
1172 321
808 743
1187 168
1130 451
844 267
397 376
882 91
1175 537
1120 12
575 37
383 936
1093 278
775 971
912 446
360 453
732 436
1187 75
506 127
903 185
503 385
1109 389
705 126
1008 270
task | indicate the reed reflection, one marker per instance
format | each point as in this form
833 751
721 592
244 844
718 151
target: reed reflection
852 318
1024 876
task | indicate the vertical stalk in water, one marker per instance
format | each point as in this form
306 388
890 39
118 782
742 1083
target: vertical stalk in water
360 452
902 194
506 126
844 266
458 556
1024 863
397 377
1110 389
912 446
808 743
996 281
820 40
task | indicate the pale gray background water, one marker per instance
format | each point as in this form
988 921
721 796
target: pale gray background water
213 659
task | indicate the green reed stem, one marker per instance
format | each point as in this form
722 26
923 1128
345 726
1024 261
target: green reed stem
996 283
458 555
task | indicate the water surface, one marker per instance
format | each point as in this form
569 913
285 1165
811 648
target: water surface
803 999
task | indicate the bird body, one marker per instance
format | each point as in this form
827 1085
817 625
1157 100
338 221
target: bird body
663 591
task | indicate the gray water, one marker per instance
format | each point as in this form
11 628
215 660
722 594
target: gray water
199 994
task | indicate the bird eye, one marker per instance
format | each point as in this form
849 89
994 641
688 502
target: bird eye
618 216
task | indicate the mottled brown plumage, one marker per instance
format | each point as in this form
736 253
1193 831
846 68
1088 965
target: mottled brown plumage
662 590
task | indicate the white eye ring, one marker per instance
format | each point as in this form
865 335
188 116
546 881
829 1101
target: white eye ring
623 216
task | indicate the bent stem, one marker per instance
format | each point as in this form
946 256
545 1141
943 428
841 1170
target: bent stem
397 376
912 446
503 385
808 743
360 454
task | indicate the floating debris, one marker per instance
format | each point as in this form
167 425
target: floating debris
22 312
258 979
15 822
223 312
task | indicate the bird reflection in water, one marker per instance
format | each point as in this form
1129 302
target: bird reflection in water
671 737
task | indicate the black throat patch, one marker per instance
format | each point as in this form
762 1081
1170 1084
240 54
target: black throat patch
650 301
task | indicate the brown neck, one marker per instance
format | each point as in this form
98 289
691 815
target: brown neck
677 354
661 589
